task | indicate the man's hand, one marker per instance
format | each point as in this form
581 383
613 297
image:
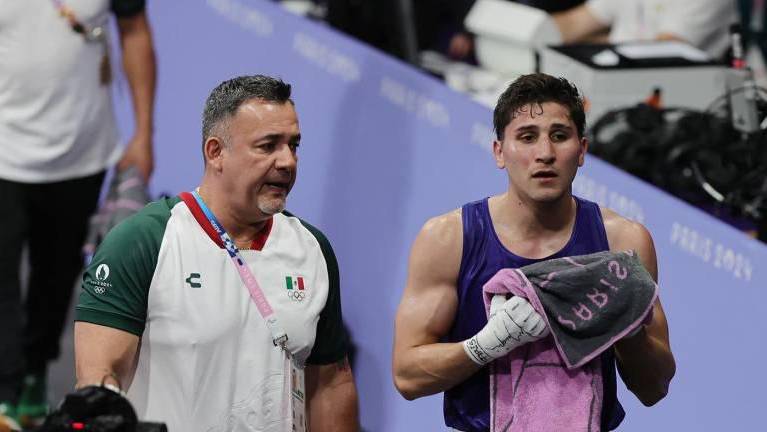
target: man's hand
512 323
138 153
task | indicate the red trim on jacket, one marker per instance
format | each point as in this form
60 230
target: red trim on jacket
258 242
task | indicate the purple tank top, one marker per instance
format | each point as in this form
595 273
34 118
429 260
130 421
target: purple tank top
467 405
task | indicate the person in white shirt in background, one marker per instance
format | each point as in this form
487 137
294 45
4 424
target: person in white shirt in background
701 23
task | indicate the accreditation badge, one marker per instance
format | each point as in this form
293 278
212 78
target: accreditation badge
296 400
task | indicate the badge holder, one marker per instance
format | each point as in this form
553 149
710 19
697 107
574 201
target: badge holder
297 399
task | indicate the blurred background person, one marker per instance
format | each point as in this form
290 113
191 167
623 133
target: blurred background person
58 138
703 23
439 24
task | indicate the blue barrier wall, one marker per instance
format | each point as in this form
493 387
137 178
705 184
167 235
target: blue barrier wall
386 147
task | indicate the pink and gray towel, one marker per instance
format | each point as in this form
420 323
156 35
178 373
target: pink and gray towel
127 194
589 302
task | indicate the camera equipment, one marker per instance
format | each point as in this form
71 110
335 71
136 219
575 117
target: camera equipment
699 156
97 409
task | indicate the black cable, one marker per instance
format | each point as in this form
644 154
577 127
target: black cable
696 155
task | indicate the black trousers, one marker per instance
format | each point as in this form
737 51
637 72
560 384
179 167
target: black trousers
52 220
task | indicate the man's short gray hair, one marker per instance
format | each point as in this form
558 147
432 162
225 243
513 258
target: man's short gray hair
226 98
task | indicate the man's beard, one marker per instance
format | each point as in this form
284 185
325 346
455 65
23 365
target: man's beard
271 206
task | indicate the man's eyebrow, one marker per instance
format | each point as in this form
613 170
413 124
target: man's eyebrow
526 128
535 128
279 136
269 137
561 126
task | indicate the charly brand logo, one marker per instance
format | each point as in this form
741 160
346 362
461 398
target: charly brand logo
297 289
192 282
100 284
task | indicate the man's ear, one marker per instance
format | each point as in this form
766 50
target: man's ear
584 150
214 152
498 154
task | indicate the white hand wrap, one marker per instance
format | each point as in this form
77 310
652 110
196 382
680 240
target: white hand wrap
512 323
